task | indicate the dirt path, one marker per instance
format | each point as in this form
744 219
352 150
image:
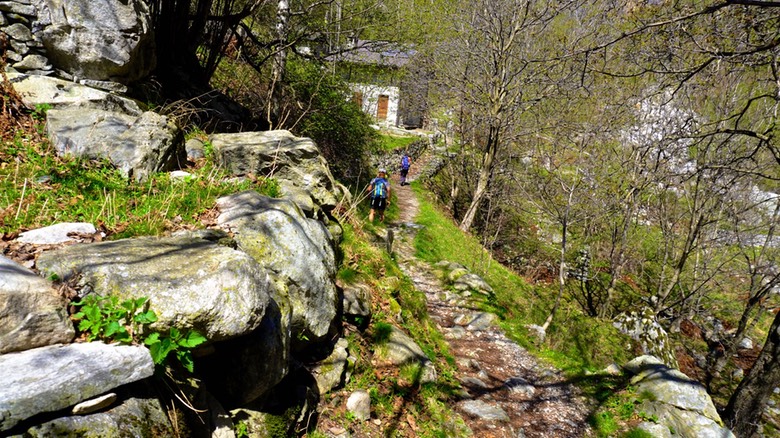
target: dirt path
508 392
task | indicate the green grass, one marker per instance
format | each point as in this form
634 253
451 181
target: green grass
575 342
37 188
393 142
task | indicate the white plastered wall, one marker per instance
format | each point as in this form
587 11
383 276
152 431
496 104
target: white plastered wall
371 95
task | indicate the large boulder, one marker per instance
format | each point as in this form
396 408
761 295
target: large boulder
242 369
295 162
134 417
137 145
679 402
51 378
109 40
190 282
296 249
32 313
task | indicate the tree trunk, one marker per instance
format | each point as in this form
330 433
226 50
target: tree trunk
278 64
743 414
485 171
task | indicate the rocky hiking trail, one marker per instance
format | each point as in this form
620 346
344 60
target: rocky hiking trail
508 392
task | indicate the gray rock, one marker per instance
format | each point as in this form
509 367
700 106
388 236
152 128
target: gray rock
296 249
654 429
473 282
357 300
482 321
330 373
195 149
518 385
32 62
32 313
138 146
401 350
456 273
15 7
108 40
285 157
257 361
746 343
679 402
483 411
135 417
19 32
20 48
57 233
359 403
39 90
194 283
114 87
51 378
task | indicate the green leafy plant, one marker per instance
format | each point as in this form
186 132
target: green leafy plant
242 430
177 342
105 318
108 319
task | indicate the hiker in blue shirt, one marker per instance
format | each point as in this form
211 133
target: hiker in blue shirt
406 162
379 193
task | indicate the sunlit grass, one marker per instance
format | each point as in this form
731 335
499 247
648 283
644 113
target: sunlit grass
37 189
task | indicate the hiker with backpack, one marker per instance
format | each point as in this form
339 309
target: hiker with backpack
379 193
406 162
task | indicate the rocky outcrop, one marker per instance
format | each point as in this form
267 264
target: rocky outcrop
51 378
295 162
190 282
32 313
96 42
297 250
680 403
137 145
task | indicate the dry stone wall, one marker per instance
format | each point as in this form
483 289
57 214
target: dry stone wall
103 44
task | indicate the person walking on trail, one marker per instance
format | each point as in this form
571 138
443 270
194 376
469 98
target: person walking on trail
406 162
379 193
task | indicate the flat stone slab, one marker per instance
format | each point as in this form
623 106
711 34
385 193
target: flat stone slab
55 377
57 233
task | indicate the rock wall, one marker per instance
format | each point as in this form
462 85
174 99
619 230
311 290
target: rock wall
101 43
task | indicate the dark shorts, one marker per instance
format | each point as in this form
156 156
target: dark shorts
404 172
378 203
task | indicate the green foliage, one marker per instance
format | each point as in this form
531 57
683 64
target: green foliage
604 424
40 189
339 127
393 142
39 113
106 319
241 429
637 433
382 331
177 342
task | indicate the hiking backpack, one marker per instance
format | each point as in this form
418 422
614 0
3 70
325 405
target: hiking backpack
405 162
380 188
